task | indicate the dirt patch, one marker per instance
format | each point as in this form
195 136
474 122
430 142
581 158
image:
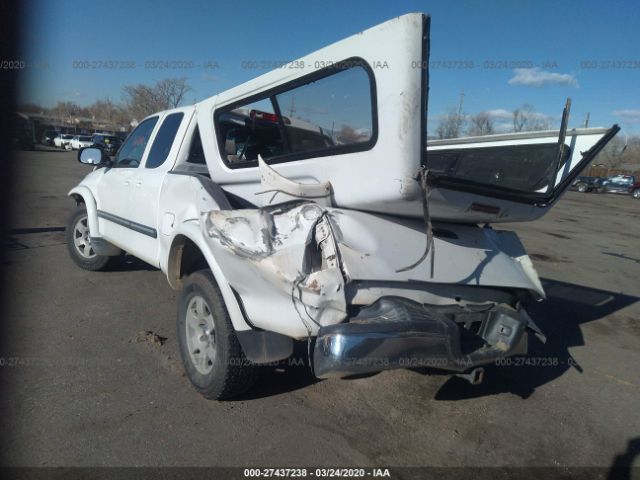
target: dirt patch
630 324
558 235
568 220
541 257
149 337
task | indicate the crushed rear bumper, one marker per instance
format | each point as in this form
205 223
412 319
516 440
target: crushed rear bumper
398 333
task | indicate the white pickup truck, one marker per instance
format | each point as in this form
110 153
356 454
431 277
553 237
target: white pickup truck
306 205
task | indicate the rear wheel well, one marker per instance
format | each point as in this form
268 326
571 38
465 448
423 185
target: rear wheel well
185 258
78 198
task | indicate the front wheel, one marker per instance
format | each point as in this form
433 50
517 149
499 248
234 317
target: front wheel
636 193
79 242
210 351
582 188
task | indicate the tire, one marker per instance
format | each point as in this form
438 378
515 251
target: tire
636 194
79 244
582 187
211 354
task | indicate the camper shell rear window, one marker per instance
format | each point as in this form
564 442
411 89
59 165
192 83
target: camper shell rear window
527 168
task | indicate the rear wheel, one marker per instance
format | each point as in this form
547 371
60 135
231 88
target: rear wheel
636 193
582 187
210 351
79 242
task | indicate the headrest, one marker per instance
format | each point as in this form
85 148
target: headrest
230 146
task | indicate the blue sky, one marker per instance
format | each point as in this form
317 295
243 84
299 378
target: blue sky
585 50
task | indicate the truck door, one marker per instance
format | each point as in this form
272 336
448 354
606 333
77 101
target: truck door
114 188
147 184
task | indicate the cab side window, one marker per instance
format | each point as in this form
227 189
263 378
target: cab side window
130 155
164 140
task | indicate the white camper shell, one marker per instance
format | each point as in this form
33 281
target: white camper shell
307 205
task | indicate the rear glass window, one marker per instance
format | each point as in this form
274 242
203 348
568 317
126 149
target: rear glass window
331 113
196 152
164 140
520 167
249 131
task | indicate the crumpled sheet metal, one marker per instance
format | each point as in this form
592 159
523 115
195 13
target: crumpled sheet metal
271 257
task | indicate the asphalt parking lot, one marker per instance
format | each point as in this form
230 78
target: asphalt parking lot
83 386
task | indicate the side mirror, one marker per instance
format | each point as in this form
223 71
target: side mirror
92 156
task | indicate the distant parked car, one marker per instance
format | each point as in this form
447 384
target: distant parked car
623 184
48 136
62 140
109 144
81 141
587 184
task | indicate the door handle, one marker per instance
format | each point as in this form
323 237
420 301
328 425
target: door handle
126 183
138 183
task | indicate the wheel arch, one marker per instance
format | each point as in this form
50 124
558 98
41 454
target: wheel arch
187 254
82 195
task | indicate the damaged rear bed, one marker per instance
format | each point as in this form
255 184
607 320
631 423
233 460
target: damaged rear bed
306 271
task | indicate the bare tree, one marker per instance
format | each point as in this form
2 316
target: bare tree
480 124
143 100
450 124
621 153
107 111
138 102
519 118
526 119
171 91
66 110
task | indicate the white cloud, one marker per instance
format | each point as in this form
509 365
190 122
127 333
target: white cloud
544 116
536 77
500 113
629 116
73 94
503 127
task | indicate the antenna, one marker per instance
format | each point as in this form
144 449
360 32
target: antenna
461 103
292 107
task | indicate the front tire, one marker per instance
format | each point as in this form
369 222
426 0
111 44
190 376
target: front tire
636 193
210 350
582 188
79 242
